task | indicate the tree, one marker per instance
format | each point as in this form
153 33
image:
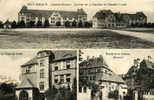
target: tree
39 23
21 24
58 23
46 23
74 23
80 24
1 24
88 24
31 24
14 24
67 24
51 93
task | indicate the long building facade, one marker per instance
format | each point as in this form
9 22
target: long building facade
53 16
95 71
109 19
45 70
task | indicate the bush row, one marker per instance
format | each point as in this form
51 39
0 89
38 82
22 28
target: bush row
39 24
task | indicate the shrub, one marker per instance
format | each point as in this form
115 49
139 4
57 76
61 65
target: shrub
1 24
67 24
58 23
21 24
39 23
74 23
14 24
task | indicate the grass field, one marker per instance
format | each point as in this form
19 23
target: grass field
68 38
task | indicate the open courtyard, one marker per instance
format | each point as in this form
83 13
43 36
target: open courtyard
69 38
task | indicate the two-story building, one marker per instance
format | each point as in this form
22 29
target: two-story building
95 71
109 19
140 79
48 68
53 16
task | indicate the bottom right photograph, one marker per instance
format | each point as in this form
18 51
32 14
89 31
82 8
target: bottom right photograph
116 74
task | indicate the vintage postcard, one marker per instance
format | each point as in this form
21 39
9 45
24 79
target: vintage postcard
76 24
116 74
38 75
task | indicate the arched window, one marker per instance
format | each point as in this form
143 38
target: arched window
23 95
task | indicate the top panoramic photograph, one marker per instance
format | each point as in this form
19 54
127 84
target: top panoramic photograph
35 24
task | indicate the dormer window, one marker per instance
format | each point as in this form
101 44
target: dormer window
28 69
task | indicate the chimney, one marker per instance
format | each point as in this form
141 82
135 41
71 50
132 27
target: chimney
149 58
136 62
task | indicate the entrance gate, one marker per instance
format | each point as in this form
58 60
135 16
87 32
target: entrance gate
23 95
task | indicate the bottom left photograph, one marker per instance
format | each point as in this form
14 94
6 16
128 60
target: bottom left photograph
38 74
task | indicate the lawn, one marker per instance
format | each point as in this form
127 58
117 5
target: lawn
68 38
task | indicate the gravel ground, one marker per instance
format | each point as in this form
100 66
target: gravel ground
68 38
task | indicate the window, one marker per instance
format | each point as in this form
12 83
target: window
28 69
56 68
41 63
56 78
42 73
41 85
94 77
80 89
22 18
84 89
68 66
68 77
61 78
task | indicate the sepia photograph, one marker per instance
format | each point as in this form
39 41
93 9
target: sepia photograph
115 74
76 24
38 74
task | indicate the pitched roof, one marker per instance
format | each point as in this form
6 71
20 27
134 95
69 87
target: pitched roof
26 83
102 14
94 62
30 62
148 64
65 14
110 77
59 55
64 54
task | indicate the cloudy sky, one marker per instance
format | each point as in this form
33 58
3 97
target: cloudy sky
10 8
119 63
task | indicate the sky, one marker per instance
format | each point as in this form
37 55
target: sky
11 60
10 8
119 60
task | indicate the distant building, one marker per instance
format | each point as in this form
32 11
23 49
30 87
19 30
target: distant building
46 69
95 70
53 16
140 79
109 19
